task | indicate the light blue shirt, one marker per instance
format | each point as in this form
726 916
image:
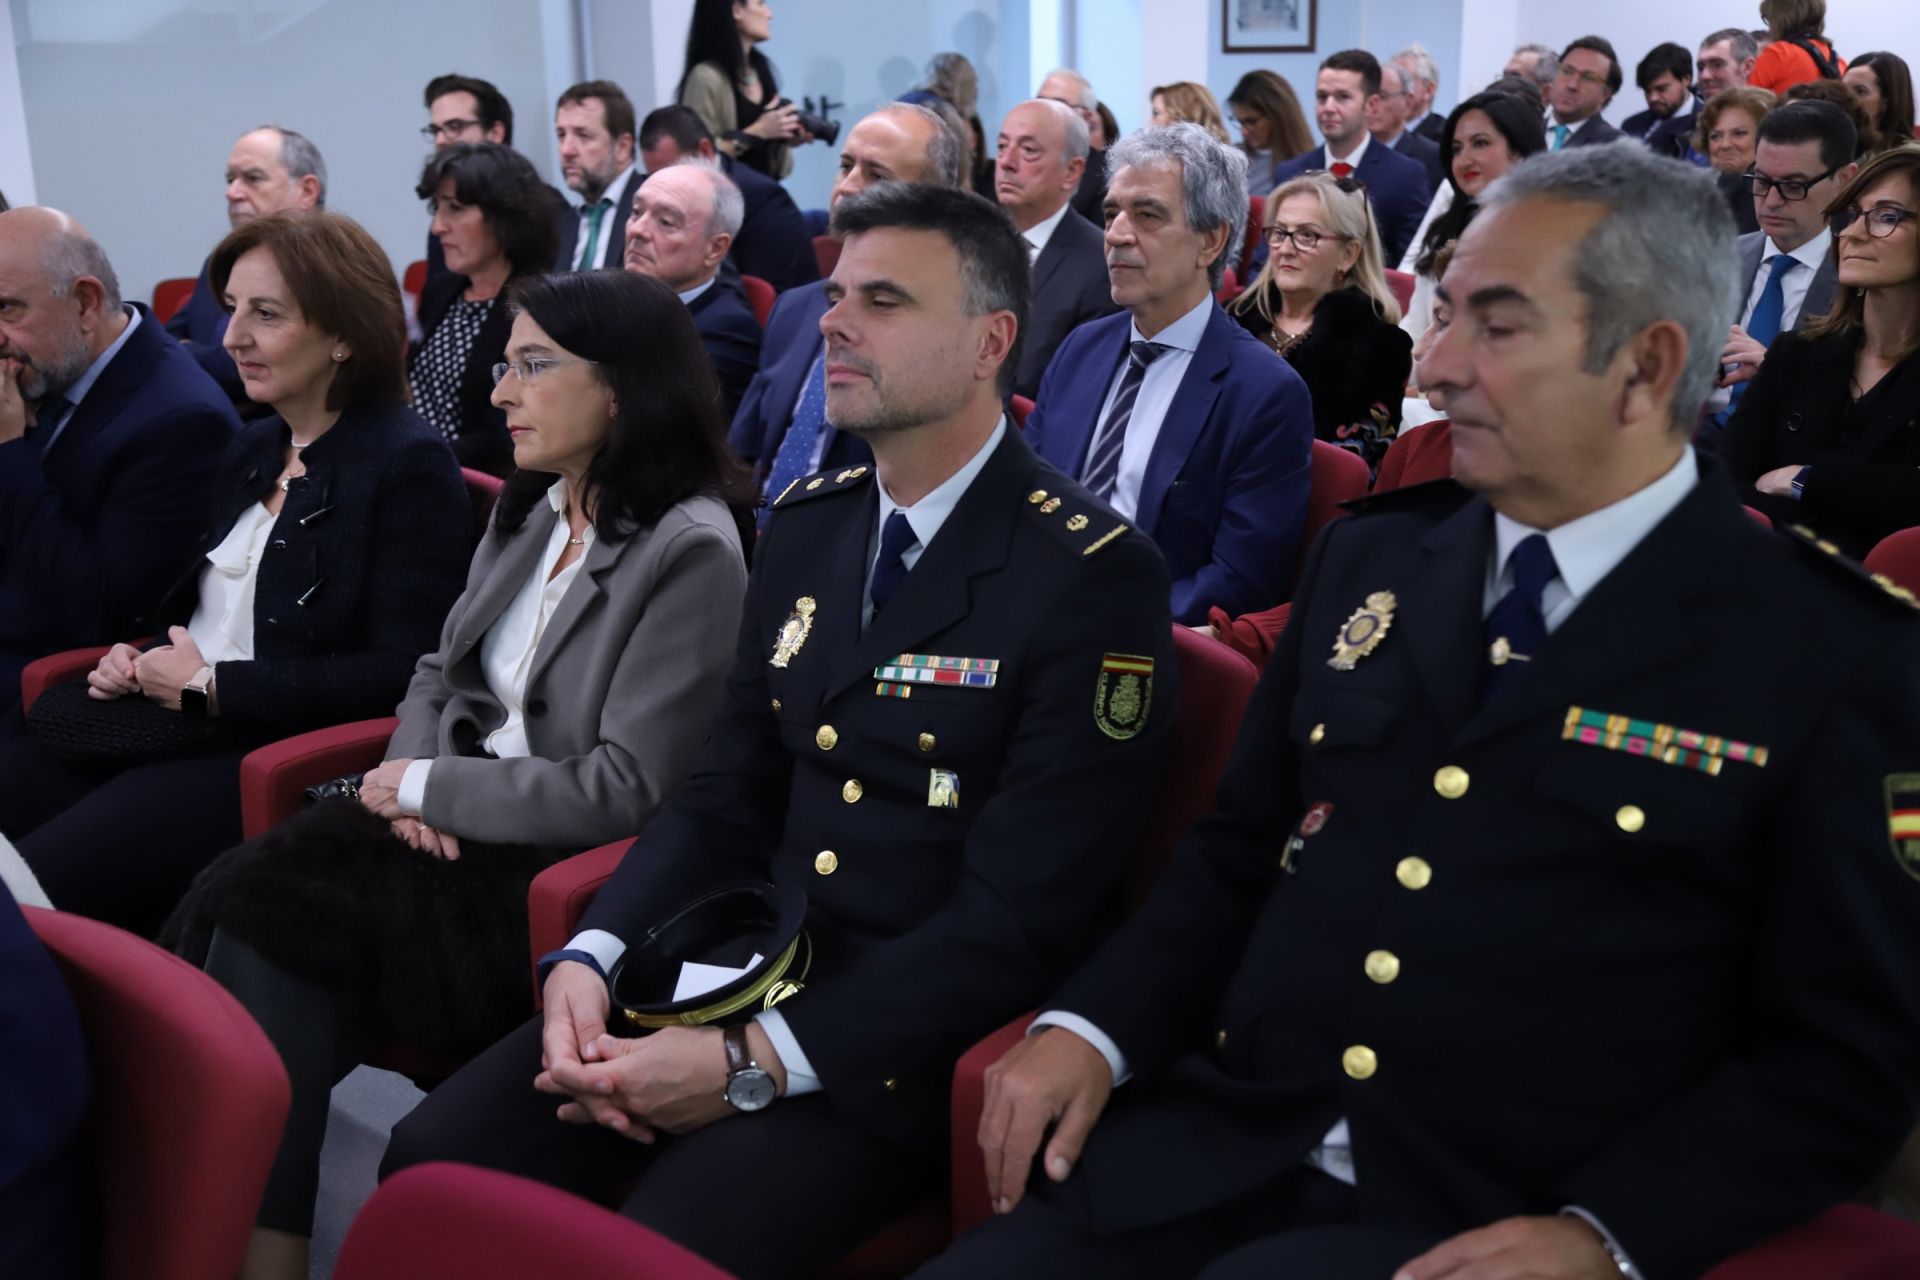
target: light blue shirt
1157 389
74 394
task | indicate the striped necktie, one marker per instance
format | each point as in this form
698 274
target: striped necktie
1103 459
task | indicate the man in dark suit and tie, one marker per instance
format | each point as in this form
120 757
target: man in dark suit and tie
1185 423
595 124
1516 945
1042 154
682 223
1074 90
1387 123
773 243
108 432
781 429
1803 158
1665 78
1588 78
1423 83
1397 187
954 820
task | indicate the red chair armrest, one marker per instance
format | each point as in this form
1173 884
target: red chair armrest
273 777
1849 1242
559 896
42 674
970 1205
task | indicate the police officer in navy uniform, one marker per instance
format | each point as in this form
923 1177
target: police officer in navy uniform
1557 915
952 697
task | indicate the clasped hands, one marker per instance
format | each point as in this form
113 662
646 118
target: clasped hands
159 673
1056 1080
673 1080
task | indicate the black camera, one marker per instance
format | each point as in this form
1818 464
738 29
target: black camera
813 118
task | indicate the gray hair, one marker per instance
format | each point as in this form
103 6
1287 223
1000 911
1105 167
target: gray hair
1213 179
1399 74
1417 60
1089 100
1546 63
71 253
729 207
1740 43
1079 137
299 157
944 150
1664 250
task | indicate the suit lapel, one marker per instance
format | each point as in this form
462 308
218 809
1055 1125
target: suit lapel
1819 293
600 559
1079 417
1186 417
520 561
1892 413
1751 248
1050 257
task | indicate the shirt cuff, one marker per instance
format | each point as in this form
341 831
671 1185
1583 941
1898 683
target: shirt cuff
412 797
800 1076
1614 1251
599 944
1116 1060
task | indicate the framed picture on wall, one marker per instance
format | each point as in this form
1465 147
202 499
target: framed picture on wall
1267 26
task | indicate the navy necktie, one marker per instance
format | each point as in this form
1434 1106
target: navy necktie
1763 326
1517 627
889 571
1103 459
48 415
794 458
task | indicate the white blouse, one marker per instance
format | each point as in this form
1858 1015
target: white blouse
222 623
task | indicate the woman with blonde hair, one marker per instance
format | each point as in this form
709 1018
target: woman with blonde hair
1189 102
1323 304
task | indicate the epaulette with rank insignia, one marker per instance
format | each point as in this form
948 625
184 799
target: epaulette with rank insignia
1884 587
819 485
1082 526
1432 495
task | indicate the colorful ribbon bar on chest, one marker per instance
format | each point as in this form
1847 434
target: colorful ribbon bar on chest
1687 748
926 668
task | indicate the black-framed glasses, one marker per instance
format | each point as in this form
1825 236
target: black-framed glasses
1305 239
1882 220
451 129
1791 190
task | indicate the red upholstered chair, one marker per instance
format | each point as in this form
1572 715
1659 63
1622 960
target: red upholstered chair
171 295
1256 228
42 674
1417 455
274 778
1215 684
1401 282
414 280
1229 286
826 254
483 491
1845 1243
1021 408
456 1222
1760 518
1898 557
1339 475
189 1101
760 296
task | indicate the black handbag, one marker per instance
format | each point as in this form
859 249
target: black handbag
72 726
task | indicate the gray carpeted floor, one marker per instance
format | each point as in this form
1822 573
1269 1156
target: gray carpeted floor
365 1106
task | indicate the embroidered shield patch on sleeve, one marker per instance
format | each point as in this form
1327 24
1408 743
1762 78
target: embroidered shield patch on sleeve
1123 695
1903 820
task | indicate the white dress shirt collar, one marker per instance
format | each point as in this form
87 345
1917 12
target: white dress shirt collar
1040 232
1811 255
691 295
1183 334
927 515
1359 153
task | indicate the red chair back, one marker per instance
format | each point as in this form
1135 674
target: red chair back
1250 244
456 1222
1229 286
414 280
826 254
189 1101
1845 1243
1760 518
274 778
1897 556
1401 282
1021 408
1338 476
1417 455
171 295
760 296
483 491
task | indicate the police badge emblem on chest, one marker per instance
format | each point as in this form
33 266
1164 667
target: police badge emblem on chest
793 632
1364 631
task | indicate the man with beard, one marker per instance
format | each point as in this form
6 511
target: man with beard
108 429
957 847
1665 76
594 123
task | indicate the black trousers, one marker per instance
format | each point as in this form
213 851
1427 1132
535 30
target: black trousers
1303 1226
785 1192
118 846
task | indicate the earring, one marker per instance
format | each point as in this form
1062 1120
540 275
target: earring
339 356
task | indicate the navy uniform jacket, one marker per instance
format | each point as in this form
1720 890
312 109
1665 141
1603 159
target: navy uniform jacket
92 532
1530 971
930 925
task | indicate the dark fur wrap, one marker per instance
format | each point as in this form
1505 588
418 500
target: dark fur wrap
439 948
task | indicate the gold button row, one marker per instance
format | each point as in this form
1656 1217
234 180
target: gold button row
826 862
1451 782
1359 1062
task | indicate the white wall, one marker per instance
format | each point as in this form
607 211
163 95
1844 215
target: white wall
1382 27
16 159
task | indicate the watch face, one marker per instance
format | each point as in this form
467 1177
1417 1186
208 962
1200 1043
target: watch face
749 1089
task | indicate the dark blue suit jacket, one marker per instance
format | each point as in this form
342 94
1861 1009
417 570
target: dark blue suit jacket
774 243
732 338
200 325
1397 186
1225 492
47 1194
92 533
786 355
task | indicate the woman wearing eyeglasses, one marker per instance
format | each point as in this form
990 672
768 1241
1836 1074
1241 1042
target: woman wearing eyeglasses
494 220
571 691
1322 303
1825 437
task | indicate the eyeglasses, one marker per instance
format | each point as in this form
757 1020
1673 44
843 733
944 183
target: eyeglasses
1791 190
529 369
1584 77
1305 239
1881 221
451 129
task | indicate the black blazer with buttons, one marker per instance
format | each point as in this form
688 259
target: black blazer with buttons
366 556
1865 481
1583 976
931 926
